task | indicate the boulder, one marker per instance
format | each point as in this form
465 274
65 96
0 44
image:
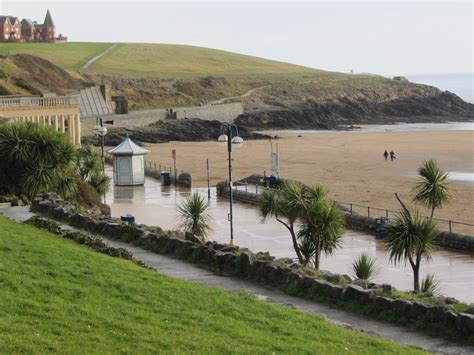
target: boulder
357 293
383 303
193 238
466 323
226 260
360 282
402 306
246 261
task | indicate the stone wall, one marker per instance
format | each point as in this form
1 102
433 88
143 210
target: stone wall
284 274
355 221
221 112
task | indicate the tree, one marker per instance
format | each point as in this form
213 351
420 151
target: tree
322 225
287 205
431 189
410 239
194 216
319 220
90 169
35 159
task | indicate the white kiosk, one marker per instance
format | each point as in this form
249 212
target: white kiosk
129 163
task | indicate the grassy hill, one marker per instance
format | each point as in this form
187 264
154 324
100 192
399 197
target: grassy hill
71 56
161 60
168 60
58 296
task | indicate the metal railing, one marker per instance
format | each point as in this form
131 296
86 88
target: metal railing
368 209
158 167
363 209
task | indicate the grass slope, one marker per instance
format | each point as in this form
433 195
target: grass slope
59 296
181 60
163 60
71 56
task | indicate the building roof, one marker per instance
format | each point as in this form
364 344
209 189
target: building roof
27 23
128 147
13 19
4 19
48 20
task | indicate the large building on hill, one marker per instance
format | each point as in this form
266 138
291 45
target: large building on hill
26 30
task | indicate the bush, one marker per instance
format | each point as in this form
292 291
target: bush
364 267
430 285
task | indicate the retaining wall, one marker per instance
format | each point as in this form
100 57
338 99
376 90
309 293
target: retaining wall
222 112
284 273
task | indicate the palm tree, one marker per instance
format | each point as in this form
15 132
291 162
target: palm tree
194 216
33 159
410 239
431 190
90 169
287 205
323 225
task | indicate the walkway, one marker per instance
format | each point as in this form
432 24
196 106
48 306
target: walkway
245 94
91 61
190 272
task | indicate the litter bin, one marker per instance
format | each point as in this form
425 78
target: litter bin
127 218
165 178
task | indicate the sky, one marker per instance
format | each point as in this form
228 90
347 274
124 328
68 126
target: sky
382 37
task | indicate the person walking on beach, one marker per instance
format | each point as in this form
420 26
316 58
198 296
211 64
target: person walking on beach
385 155
392 156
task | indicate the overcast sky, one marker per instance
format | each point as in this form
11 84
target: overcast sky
384 37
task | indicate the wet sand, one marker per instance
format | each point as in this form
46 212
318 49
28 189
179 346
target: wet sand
349 164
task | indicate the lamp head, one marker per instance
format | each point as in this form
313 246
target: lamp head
102 131
222 138
237 141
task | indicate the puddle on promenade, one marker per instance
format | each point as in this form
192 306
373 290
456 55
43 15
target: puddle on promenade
153 204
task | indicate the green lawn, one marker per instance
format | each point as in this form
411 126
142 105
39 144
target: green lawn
59 296
72 55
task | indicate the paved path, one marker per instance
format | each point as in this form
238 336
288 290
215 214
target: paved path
190 272
245 94
91 61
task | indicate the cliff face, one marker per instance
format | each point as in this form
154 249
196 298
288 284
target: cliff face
434 106
313 100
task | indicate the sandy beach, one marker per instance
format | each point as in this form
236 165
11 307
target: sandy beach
349 164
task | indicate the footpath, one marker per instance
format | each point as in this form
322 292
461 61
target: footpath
97 57
177 268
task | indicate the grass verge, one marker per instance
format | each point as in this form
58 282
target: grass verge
60 296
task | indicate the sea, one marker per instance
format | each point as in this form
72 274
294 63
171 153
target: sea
461 84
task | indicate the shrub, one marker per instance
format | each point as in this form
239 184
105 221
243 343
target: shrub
430 285
364 267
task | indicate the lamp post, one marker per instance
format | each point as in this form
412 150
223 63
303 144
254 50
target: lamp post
101 131
228 137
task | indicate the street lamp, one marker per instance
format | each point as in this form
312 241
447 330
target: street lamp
237 141
100 131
